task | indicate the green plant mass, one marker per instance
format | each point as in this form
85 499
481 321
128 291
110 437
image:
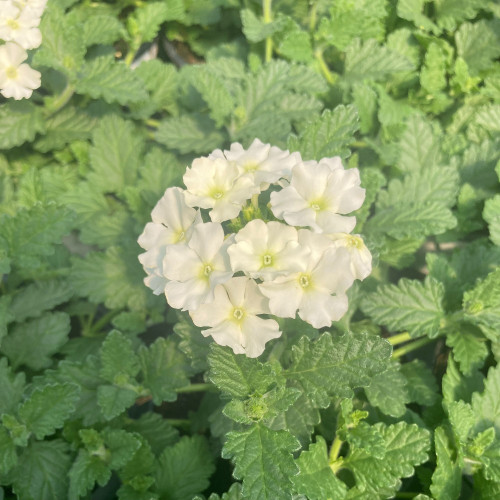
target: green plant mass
249 250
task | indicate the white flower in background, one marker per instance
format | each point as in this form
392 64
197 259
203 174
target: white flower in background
267 250
218 185
17 80
263 163
197 267
233 317
361 258
319 195
20 25
36 6
310 291
173 222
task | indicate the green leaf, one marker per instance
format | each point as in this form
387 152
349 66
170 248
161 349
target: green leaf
447 477
238 376
369 61
422 386
189 133
296 45
43 471
32 300
62 48
406 447
34 342
486 406
48 408
11 388
122 445
433 73
102 29
478 44
112 81
412 11
184 469
19 123
163 369
334 365
146 20
410 305
491 215
315 479
118 359
469 347
86 470
114 400
328 134
458 387
449 13
462 420
256 30
263 459
391 402
365 99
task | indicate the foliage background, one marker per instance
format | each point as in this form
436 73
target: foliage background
105 392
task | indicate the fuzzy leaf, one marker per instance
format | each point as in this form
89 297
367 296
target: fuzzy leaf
469 348
114 400
19 123
11 387
334 365
102 29
486 406
410 305
263 459
422 386
118 357
145 21
8 455
491 215
315 479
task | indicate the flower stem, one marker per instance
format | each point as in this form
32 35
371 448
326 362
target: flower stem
313 16
406 494
399 339
329 75
333 458
411 347
266 7
196 388
103 321
178 422
152 123
60 101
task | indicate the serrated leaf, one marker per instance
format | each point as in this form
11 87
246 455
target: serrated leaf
183 469
365 99
32 300
114 400
8 455
238 376
369 61
102 29
86 470
412 10
462 419
447 477
163 369
19 123
458 387
491 215
122 445
11 387
112 81
391 402
486 405
146 20
315 479
296 45
190 133
255 29
34 342
406 447
118 357
449 13
48 408
263 459
433 73
469 348
410 305
334 365
43 469
422 386
328 134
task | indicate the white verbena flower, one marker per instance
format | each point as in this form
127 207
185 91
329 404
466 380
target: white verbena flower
217 184
310 291
233 318
20 25
173 222
319 195
197 268
266 250
36 6
17 80
361 258
263 163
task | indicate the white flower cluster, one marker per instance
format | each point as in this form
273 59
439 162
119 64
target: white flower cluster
19 20
297 258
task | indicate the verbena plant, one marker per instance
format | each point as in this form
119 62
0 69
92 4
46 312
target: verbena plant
108 392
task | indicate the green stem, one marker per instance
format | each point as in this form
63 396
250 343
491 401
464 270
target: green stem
406 494
60 101
153 123
333 458
196 388
266 7
313 16
399 339
179 422
103 321
411 347
329 75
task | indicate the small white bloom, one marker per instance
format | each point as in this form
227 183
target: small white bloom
36 6
197 268
361 258
17 80
217 184
233 318
267 250
319 195
19 26
263 163
326 272
173 222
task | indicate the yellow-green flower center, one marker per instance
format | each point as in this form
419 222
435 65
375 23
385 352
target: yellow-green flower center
11 72
267 260
217 193
13 24
237 314
305 280
318 204
251 166
179 236
354 242
205 271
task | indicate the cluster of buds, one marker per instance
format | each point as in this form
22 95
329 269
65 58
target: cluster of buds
19 20
257 232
